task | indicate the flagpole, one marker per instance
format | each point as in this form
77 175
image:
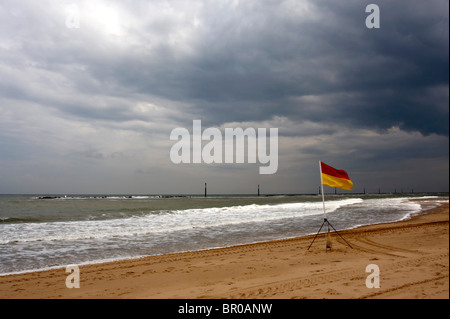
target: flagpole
323 196
325 217
324 211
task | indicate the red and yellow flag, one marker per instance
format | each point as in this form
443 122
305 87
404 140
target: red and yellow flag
335 177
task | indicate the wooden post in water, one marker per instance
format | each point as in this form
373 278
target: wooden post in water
258 190
205 189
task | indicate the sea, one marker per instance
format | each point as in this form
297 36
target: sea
53 231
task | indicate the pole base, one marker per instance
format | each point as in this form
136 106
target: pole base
328 232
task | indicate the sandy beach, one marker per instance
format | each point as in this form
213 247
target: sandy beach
412 257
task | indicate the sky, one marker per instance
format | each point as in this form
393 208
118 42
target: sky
90 92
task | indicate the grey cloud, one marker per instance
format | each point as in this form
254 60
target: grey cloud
313 63
252 60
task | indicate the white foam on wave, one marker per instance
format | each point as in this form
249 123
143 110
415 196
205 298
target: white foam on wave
39 245
167 221
182 220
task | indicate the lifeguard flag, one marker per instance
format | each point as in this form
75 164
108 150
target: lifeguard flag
335 177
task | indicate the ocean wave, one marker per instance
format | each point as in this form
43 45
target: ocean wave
100 230
165 221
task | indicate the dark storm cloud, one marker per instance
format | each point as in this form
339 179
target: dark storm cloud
311 68
261 59
368 78
256 60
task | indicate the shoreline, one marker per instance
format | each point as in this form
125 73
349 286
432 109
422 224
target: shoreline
274 269
422 200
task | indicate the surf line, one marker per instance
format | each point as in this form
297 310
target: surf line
211 152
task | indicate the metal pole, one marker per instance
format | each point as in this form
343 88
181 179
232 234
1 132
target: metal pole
329 224
323 202
316 235
323 196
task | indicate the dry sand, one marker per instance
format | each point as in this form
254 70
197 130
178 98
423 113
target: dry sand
412 257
